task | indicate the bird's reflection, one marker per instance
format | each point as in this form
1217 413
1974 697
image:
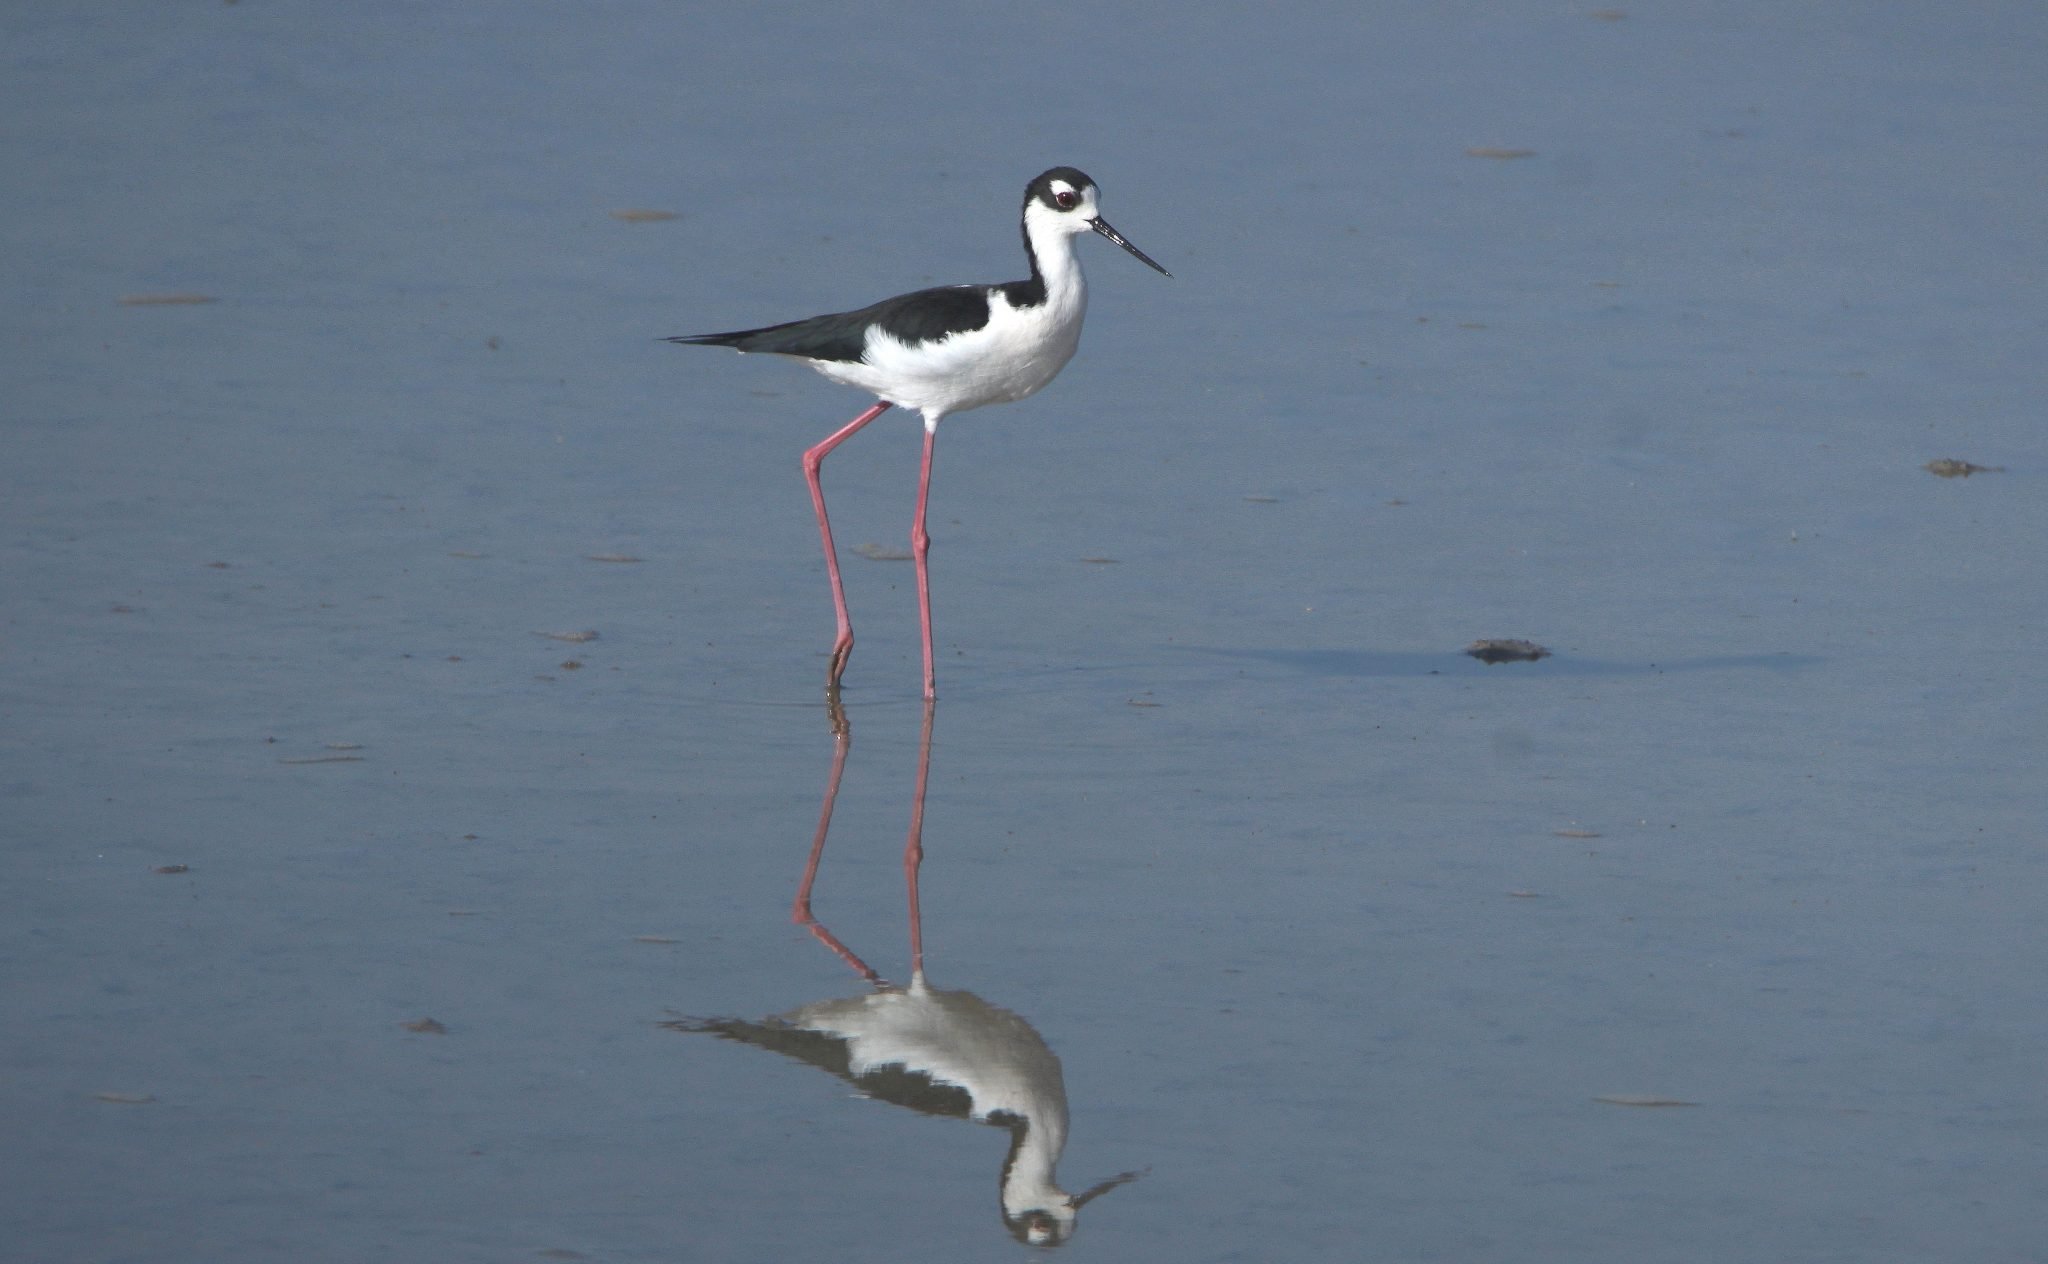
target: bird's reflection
940 1051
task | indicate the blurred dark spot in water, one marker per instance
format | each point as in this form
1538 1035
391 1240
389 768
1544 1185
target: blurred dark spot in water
1950 468
1491 652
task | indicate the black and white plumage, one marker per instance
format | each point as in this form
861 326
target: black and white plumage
944 1053
947 350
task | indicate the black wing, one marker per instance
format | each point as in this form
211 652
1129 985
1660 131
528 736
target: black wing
893 1084
921 316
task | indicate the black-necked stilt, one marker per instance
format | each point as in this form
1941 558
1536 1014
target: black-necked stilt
936 1050
944 351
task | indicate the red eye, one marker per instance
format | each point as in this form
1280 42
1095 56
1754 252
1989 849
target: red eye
1066 198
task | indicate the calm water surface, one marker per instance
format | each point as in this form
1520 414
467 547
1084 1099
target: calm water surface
353 884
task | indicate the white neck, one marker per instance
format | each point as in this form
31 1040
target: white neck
1052 249
1028 1182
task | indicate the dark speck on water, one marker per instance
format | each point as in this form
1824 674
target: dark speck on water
1491 652
1950 468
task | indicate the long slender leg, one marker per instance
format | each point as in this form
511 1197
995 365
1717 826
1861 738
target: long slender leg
814 460
913 849
800 911
920 546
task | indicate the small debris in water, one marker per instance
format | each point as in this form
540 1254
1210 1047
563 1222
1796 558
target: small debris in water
1525 895
574 638
1103 561
876 553
1576 833
172 869
610 557
125 1099
1263 500
324 759
570 664
166 300
1490 151
1950 468
1641 1099
643 215
1491 651
653 939
426 1027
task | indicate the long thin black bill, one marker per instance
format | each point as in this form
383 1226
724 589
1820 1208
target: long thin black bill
1101 225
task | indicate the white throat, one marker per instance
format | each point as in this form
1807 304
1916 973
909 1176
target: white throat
1028 1183
1052 235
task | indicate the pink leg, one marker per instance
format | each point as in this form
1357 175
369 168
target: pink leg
920 546
913 850
814 460
800 911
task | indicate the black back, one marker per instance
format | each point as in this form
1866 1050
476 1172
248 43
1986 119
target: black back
921 316
894 1084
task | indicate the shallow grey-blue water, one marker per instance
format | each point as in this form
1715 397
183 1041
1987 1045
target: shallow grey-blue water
352 883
